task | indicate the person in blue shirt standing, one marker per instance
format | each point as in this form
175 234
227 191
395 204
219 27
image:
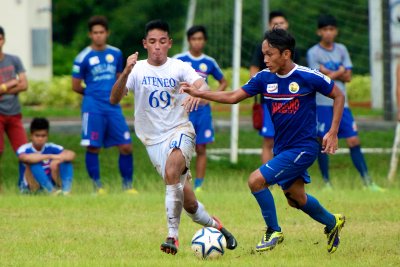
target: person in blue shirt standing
201 118
103 124
289 91
333 60
45 165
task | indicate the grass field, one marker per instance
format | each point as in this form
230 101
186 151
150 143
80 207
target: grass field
124 230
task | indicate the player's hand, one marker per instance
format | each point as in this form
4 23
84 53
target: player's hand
131 62
329 143
191 103
185 87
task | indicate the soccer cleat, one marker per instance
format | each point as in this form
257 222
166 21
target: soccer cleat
131 191
170 246
373 187
270 240
101 191
198 190
231 242
333 235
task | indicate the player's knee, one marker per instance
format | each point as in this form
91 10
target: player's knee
201 150
292 201
92 149
125 149
191 207
171 175
256 182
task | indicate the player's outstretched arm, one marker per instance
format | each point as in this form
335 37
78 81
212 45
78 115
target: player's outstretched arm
227 97
330 140
119 89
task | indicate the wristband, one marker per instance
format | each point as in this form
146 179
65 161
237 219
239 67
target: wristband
3 87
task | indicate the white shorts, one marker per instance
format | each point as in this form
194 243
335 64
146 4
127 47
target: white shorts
183 139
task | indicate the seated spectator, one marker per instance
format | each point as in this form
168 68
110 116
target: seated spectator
45 166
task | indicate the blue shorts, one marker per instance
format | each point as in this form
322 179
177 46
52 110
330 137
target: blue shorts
202 123
288 166
104 130
347 127
268 129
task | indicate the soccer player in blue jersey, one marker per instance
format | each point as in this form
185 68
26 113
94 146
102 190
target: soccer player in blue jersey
333 60
201 118
289 91
103 124
45 165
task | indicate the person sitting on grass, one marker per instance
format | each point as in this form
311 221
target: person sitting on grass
45 166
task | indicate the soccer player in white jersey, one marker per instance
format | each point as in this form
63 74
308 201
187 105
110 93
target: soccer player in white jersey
202 118
333 60
289 92
162 124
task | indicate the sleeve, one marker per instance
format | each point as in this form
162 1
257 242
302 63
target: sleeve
321 83
19 68
312 59
189 74
120 62
346 58
216 71
253 86
21 150
257 59
78 69
55 149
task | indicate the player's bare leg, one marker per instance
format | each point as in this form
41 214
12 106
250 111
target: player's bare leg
201 164
267 146
174 167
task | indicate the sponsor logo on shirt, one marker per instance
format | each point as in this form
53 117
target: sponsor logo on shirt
290 107
109 58
272 88
294 87
94 60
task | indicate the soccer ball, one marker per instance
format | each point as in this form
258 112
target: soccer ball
208 243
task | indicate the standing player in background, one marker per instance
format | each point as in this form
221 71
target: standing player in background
103 124
333 60
46 165
277 19
162 124
289 91
12 82
201 118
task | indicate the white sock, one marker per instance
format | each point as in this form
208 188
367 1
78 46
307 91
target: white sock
173 206
202 217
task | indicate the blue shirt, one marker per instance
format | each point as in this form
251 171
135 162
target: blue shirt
290 100
98 69
332 60
48 148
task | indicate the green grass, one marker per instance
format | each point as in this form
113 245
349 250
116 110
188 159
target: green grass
123 230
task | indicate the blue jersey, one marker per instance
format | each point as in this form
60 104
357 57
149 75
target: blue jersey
291 103
48 148
332 60
203 65
98 69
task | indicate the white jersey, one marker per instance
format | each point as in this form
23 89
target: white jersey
158 103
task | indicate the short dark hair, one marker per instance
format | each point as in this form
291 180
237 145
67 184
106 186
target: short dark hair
98 20
281 39
276 13
326 20
156 24
195 29
38 124
2 31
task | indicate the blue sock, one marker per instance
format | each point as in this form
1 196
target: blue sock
323 163
359 162
66 175
93 167
125 163
41 177
198 182
318 213
266 202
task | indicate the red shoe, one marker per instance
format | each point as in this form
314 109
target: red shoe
231 242
170 246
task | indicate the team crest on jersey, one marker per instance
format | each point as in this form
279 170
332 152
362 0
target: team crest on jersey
272 88
294 87
94 60
203 67
109 58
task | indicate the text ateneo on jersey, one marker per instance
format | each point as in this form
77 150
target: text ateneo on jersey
159 82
